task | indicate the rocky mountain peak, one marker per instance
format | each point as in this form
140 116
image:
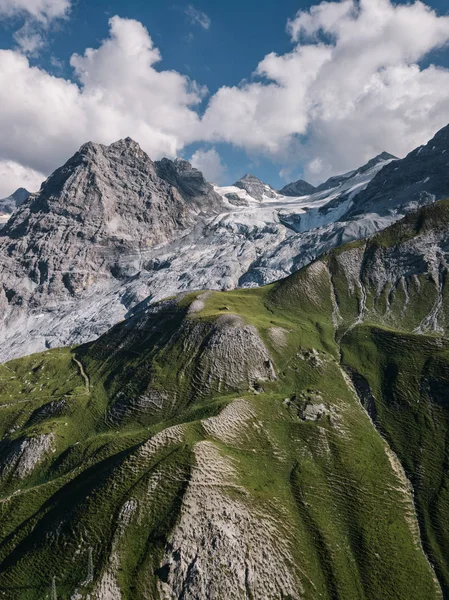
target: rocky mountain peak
9 204
382 157
256 188
181 174
420 178
298 188
441 136
20 195
93 218
126 146
338 180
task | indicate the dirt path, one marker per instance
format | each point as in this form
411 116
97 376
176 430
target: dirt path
83 374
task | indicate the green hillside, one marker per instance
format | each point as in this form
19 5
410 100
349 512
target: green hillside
283 442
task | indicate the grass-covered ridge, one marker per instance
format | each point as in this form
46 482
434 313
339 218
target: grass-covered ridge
216 444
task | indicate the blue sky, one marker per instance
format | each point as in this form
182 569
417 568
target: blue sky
218 44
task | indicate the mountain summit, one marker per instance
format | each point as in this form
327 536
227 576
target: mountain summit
337 180
105 203
298 188
256 188
419 178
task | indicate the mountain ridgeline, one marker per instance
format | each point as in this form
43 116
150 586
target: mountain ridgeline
112 228
288 441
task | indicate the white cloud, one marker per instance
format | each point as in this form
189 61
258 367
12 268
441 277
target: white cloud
14 175
315 166
38 16
197 17
209 162
42 10
30 39
44 119
349 89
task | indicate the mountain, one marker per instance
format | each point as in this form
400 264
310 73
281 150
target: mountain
336 181
288 441
298 188
255 188
420 177
91 222
302 188
112 229
8 205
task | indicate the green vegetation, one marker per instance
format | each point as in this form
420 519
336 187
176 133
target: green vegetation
284 383
404 381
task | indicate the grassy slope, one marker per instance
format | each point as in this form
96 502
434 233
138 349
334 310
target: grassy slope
405 380
331 484
328 475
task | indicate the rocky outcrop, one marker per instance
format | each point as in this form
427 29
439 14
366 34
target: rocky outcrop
251 558
22 456
235 200
234 357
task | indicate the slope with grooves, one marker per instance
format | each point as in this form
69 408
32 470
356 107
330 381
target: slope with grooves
301 476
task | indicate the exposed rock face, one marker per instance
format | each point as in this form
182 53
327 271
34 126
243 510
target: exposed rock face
87 228
235 200
55 408
234 356
24 455
250 557
298 188
94 216
255 188
111 229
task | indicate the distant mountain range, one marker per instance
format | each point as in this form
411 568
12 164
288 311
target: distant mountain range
111 229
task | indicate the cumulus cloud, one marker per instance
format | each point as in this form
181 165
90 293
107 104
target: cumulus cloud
350 88
30 38
44 119
209 162
197 17
13 175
